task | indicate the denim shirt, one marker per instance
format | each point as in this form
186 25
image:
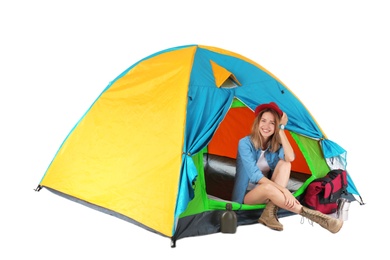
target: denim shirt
246 166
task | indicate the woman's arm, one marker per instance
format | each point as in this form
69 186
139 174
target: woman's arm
289 155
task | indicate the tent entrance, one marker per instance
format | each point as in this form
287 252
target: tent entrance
216 163
219 161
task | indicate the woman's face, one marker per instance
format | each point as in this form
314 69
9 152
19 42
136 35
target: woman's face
267 124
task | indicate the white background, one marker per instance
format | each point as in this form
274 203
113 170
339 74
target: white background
56 57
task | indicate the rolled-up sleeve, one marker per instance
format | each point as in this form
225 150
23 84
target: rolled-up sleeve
247 161
246 169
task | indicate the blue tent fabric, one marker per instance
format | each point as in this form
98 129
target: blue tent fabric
203 119
351 188
200 126
331 149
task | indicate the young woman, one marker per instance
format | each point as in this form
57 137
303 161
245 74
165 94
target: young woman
263 169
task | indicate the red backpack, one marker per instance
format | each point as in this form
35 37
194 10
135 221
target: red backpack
322 193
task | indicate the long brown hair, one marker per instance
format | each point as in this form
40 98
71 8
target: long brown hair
255 133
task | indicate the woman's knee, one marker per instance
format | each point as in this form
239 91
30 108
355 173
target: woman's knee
269 188
282 173
283 166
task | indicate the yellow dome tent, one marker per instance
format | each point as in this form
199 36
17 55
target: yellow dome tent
146 145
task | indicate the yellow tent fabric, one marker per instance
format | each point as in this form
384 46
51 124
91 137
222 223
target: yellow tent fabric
221 75
102 139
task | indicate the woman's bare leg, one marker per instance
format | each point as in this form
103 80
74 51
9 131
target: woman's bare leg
265 192
281 174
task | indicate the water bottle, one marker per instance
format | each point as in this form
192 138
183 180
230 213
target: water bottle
229 220
342 208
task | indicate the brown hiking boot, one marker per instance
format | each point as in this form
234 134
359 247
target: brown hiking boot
269 217
331 224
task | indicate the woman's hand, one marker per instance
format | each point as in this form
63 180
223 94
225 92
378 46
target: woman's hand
290 200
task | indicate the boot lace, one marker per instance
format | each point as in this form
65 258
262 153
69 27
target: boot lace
275 213
308 221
